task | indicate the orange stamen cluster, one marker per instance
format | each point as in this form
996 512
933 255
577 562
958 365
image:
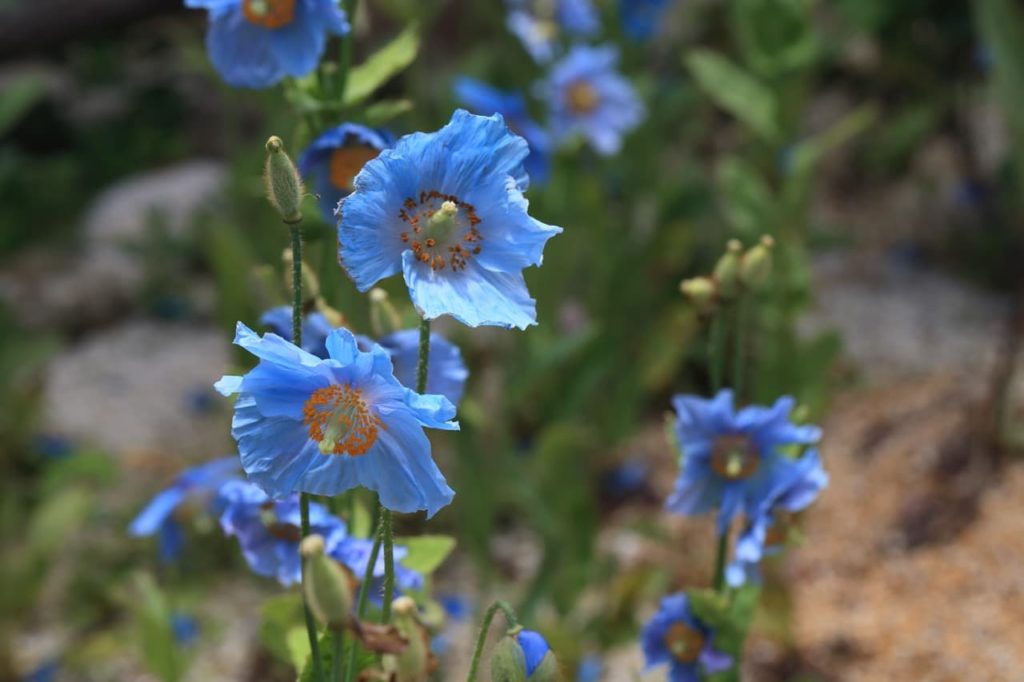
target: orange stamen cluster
346 162
684 642
340 414
427 247
269 13
583 98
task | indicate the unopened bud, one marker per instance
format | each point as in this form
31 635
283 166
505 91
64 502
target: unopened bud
756 266
384 319
508 664
548 670
327 587
414 663
727 269
284 186
701 292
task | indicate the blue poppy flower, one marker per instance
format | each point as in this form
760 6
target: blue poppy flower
641 19
534 648
315 328
481 98
333 160
158 516
447 210
256 43
588 97
732 459
795 489
269 531
538 23
324 426
675 636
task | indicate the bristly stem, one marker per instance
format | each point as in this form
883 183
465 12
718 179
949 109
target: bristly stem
296 230
716 339
364 593
739 350
345 58
424 359
485 627
389 564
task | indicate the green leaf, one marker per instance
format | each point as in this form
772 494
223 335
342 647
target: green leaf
364 658
364 79
296 640
155 630
59 518
736 91
746 199
379 113
426 552
808 153
18 97
281 614
774 36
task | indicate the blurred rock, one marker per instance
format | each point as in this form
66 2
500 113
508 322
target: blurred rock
141 390
102 281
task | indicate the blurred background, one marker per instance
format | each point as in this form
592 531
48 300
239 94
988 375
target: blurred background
134 234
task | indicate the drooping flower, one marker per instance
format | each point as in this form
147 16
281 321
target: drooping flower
269 532
588 97
535 650
766 532
199 482
256 43
481 98
315 328
674 635
733 459
324 426
538 23
333 160
640 19
446 371
447 210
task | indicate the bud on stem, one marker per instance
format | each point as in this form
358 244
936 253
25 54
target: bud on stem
283 183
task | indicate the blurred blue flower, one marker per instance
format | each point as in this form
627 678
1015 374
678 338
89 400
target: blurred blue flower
641 18
795 489
590 669
315 328
355 554
197 482
732 459
626 478
534 647
446 371
269 531
538 23
481 98
447 210
588 97
675 636
457 607
324 426
334 159
46 672
256 43
185 628
52 446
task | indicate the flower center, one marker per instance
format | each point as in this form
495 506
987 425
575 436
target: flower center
340 420
442 230
734 456
582 97
278 529
346 162
269 13
684 643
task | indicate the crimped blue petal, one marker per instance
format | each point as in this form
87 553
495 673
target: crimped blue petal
241 51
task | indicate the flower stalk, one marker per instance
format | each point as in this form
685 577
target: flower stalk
510 620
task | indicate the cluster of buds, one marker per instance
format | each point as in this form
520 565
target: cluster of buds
735 273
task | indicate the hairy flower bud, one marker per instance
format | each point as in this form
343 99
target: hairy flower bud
283 183
701 292
508 664
384 319
726 273
414 663
327 587
548 670
756 265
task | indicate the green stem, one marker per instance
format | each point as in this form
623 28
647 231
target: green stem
739 349
296 231
424 358
723 548
717 342
389 564
338 648
364 594
345 58
510 620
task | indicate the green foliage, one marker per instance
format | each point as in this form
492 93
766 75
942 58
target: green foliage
383 65
19 95
426 552
775 36
364 658
283 614
729 615
736 91
154 628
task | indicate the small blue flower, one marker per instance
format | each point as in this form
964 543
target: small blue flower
588 97
158 516
675 636
446 209
334 159
315 328
269 531
534 647
256 43
795 489
481 98
538 23
642 18
324 426
732 459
